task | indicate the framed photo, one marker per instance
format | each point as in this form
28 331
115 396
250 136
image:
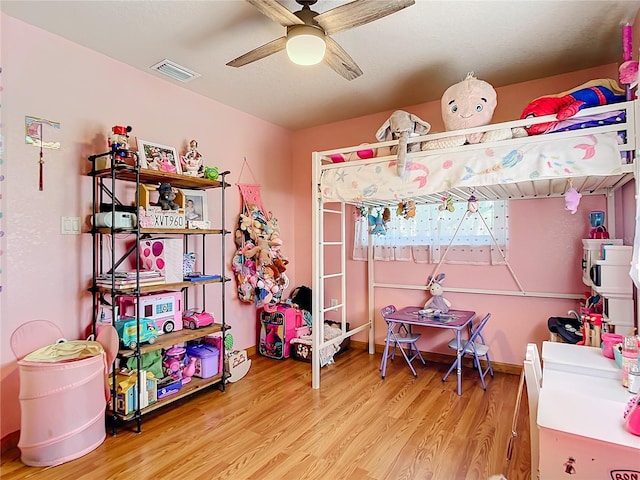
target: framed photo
158 157
195 206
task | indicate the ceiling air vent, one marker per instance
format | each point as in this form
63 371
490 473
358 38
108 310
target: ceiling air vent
175 71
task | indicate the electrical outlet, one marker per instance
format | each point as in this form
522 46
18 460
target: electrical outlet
334 302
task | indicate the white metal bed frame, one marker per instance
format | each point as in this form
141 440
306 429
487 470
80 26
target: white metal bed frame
530 189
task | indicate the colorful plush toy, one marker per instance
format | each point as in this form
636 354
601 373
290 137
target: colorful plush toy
572 200
376 221
566 104
469 103
447 204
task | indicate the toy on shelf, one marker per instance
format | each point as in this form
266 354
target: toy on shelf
193 320
166 197
174 362
119 143
162 308
188 370
211 173
192 160
127 331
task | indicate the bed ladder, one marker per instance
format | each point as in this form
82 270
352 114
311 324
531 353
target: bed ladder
333 249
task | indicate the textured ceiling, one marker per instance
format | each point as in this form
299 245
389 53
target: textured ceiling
407 58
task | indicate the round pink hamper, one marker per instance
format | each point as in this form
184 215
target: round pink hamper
63 409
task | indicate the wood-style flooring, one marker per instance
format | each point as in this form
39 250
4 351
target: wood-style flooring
271 425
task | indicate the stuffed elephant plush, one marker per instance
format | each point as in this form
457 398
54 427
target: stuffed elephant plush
400 126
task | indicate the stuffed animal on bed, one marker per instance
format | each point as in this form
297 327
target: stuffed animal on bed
566 104
469 103
402 126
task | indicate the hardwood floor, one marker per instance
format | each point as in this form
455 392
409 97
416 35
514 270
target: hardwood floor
272 425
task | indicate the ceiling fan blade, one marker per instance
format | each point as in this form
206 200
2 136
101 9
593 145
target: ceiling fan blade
340 60
358 12
276 12
259 53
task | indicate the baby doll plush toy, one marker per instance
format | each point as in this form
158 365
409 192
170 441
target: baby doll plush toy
437 301
469 103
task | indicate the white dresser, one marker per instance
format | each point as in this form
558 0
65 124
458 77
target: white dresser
580 417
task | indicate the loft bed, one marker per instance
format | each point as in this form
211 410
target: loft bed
594 154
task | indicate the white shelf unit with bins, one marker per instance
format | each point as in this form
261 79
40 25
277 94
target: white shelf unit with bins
111 251
605 267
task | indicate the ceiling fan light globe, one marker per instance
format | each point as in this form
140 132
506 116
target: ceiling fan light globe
306 45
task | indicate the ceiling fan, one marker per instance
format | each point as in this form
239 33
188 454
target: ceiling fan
308 38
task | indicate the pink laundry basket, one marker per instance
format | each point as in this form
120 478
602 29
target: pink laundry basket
63 409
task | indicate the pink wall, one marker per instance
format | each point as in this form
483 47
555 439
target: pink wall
45 274
545 248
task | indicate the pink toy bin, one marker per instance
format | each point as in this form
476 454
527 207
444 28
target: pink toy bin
608 341
63 410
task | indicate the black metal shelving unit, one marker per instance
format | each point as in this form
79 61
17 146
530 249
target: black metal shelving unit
110 251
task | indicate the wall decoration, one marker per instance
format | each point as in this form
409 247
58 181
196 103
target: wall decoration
158 157
196 208
35 136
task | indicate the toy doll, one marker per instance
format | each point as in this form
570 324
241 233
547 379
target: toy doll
437 301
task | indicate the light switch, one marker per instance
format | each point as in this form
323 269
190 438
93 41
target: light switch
70 225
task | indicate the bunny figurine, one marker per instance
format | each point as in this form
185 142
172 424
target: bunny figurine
437 301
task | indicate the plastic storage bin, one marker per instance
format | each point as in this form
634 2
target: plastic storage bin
207 358
63 409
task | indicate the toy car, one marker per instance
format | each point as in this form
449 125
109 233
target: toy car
192 319
127 330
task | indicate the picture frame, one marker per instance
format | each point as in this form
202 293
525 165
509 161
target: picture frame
196 209
155 156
